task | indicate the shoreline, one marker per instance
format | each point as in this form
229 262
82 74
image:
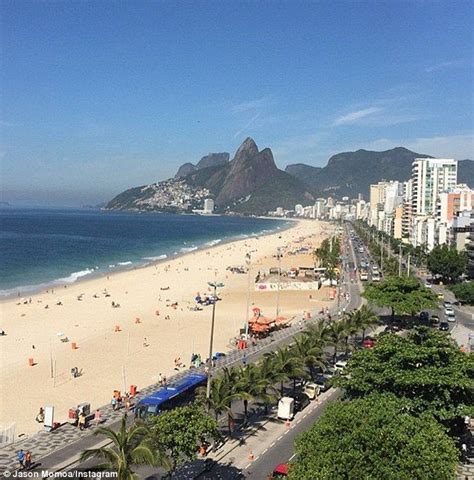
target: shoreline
156 321
43 287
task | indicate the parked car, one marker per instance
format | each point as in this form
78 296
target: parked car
368 343
312 390
301 401
444 326
340 365
323 382
434 320
424 316
451 317
449 311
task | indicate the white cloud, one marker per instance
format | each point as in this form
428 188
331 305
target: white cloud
446 65
250 105
247 125
354 117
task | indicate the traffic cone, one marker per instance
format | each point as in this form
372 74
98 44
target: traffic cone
251 456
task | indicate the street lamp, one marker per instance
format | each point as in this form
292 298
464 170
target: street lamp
215 286
279 277
248 259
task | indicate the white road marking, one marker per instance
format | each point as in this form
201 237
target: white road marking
247 466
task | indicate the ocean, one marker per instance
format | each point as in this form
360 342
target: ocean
45 247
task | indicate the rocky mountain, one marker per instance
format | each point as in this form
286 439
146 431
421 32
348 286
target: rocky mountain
250 183
210 160
350 173
466 172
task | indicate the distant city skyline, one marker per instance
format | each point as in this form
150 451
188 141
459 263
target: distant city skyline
102 96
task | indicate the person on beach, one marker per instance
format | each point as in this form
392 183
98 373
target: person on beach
97 417
114 403
82 421
160 379
40 417
21 459
128 403
28 460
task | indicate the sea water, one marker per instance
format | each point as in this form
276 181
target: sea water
40 248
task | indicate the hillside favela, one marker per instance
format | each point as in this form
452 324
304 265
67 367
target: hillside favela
237 240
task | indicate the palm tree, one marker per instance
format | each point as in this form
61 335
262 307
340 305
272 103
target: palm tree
364 318
351 329
130 446
250 385
318 333
337 333
270 376
307 354
222 394
285 362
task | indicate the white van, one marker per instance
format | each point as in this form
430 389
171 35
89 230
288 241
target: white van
311 390
286 408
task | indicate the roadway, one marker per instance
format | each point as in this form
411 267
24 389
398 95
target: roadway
281 449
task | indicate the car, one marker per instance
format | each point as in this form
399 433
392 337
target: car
368 343
301 401
312 390
434 320
444 326
323 381
428 285
440 296
280 471
449 311
451 317
424 316
447 304
340 365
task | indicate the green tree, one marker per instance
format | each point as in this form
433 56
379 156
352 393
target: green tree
404 296
250 385
222 394
180 431
374 438
426 369
318 333
337 334
464 292
130 446
284 362
363 318
447 262
307 354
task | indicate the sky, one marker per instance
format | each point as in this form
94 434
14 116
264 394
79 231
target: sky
100 96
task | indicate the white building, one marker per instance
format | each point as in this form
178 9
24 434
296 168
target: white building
208 206
430 177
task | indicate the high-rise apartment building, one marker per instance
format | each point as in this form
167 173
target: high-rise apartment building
430 177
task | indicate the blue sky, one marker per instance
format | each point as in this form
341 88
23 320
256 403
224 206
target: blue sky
104 95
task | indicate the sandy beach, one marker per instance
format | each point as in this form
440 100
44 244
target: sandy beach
151 332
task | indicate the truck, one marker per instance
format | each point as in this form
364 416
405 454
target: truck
286 408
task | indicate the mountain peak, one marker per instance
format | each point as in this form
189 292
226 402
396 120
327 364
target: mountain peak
247 149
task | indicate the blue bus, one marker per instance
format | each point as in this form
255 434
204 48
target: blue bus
170 397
